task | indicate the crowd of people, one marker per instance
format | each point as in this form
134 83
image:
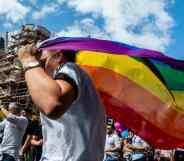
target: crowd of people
21 139
123 145
21 135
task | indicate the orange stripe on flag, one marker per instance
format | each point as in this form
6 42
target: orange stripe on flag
145 104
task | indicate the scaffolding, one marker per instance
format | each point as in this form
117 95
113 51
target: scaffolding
13 87
12 82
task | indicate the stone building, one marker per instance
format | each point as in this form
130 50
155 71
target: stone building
12 82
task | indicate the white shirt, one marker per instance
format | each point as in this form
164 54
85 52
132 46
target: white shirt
164 153
113 141
137 141
14 129
79 134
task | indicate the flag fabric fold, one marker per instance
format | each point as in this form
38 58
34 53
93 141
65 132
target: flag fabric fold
142 88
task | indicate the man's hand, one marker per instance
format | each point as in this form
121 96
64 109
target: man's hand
25 53
1 107
4 111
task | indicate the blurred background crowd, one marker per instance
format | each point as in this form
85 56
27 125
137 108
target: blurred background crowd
123 145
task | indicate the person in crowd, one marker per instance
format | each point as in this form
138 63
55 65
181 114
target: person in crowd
163 155
150 153
127 151
138 147
130 137
72 115
118 127
179 154
112 144
36 141
26 142
14 128
124 133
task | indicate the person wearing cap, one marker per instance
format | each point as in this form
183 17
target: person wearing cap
112 144
14 129
72 115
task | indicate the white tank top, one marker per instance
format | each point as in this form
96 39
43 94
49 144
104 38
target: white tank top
79 134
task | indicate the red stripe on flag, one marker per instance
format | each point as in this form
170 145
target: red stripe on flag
139 125
150 108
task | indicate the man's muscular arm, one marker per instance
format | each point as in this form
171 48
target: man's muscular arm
52 97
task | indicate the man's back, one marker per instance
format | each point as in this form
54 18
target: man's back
79 134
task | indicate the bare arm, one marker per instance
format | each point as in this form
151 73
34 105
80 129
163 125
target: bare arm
36 142
44 91
49 94
135 147
26 144
51 97
4 111
126 149
114 149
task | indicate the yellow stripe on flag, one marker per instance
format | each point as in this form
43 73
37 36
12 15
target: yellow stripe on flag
130 68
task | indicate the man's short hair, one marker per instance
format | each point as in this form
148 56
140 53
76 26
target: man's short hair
23 112
70 55
13 105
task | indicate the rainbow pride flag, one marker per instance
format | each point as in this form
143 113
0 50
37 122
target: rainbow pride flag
142 88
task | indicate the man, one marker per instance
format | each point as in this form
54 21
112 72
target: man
112 145
14 129
138 147
72 115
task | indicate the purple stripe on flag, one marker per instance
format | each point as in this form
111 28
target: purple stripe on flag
76 44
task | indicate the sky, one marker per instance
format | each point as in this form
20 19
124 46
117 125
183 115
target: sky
151 24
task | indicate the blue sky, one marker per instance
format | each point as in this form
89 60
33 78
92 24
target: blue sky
152 24
176 47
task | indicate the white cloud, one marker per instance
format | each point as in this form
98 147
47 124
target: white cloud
85 27
145 23
123 17
44 11
13 10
